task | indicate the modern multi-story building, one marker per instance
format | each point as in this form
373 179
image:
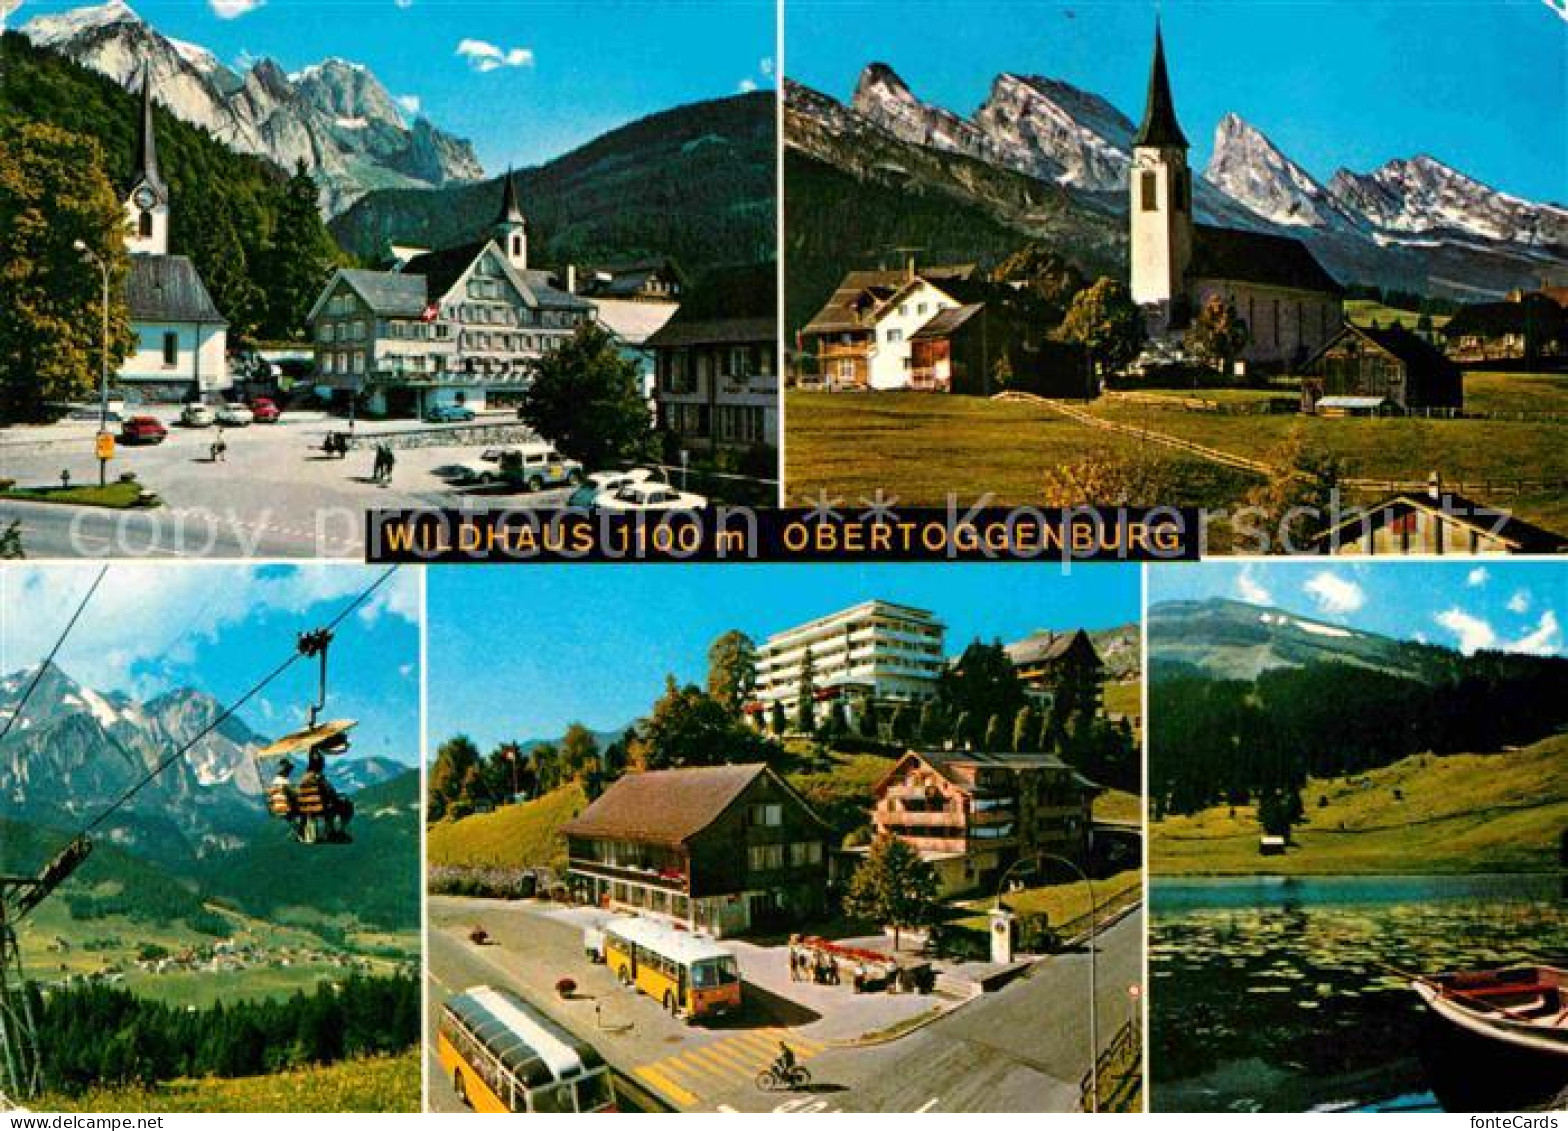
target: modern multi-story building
875 652
721 849
971 814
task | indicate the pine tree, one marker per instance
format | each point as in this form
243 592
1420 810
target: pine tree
298 261
204 229
993 733
1026 730
806 694
893 887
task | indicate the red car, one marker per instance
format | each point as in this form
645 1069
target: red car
265 411
143 430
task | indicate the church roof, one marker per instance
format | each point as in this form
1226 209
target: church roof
167 288
1256 257
146 170
1159 127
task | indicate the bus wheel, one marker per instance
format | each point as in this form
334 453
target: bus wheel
459 1087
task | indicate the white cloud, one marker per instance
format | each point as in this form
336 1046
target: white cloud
1519 602
1560 7
1333 594
1250 589
746 86
147 621
234 9
409 103
1477 577
403 3
1469 630
486 57
1546 639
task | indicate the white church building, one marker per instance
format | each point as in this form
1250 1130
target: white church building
1291 305
181 337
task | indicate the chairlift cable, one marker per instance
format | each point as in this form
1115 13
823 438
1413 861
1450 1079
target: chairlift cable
229 711
49 659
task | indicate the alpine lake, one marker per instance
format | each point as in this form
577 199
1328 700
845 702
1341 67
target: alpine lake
1292 993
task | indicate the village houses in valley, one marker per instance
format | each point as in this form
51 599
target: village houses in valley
181 351
457 326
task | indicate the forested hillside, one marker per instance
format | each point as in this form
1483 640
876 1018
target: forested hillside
694 184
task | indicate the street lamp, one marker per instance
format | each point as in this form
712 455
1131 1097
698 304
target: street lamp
102 264
1094 977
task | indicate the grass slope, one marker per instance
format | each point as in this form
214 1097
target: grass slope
839 787
526 835
1465 813
920 447
1060 903
373 1084
1118 805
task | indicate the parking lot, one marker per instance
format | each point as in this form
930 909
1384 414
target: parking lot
274 493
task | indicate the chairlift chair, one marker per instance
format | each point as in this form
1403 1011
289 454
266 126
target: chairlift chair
307 808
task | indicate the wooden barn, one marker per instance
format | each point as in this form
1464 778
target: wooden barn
1365 371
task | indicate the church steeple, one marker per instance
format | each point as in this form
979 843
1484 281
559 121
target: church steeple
147 206
147 141
511 230
1160 128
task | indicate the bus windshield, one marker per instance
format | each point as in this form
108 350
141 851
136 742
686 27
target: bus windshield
711 972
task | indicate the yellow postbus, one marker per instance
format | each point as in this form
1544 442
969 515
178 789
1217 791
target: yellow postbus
690 976
503 1055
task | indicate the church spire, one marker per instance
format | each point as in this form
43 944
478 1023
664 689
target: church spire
146 171
1160 128
510 212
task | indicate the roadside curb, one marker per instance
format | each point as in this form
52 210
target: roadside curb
874 1040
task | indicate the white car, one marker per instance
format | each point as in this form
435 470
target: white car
197 415
486 468
650 496
235 416
611 481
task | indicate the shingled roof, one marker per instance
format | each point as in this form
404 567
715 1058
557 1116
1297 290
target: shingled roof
730 305
1396 341
389 293
1159 127
665 807
862 291
948 320
1043 646
1256 257
168 288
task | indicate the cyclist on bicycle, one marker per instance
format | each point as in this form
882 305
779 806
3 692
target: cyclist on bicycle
785 1064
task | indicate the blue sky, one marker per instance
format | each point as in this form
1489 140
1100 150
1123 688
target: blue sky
220 628
1481 84
1516 606
521 653
539 78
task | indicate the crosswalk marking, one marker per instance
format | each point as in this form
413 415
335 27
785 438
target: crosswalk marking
685 1077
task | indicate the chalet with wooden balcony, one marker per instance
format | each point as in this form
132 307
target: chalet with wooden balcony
863 337
971 814
1057 666
720 849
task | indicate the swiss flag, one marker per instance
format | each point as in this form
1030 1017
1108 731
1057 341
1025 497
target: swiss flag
431 313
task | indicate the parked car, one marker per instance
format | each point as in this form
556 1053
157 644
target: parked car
235 416
485 468
537 466
448 414
651 496
602 483
265 410
143 430
197 415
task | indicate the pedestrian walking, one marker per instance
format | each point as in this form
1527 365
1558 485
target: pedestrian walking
219 449
390 464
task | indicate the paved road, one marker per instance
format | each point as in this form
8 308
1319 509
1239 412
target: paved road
1022 1049
275 494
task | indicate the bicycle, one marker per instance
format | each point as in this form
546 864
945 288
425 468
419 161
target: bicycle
792 1079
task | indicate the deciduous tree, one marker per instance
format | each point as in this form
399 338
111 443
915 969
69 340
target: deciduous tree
588 399
893 887
1107 323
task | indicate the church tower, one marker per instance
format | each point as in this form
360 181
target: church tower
147 206
511 230
1161 199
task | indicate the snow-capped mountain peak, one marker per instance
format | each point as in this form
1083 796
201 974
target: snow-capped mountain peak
335 116
1250 168
1421 195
